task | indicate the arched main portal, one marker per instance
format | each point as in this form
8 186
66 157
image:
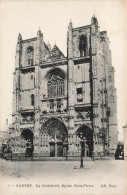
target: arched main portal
27 134
88 139
57 135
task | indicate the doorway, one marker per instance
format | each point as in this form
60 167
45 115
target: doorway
88 139
28 136
57 132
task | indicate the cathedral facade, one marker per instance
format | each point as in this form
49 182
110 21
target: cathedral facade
58 99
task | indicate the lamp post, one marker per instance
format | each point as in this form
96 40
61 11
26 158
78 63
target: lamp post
82 144
93 148
108 115
66 150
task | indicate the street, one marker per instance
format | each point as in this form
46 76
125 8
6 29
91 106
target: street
61 177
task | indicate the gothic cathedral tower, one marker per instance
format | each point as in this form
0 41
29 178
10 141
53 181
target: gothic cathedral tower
58 98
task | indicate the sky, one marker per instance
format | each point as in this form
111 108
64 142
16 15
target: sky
53 17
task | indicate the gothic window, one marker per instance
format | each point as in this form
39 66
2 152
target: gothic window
30 55
79 94
55 86
58 103
32 100
44 139
51 104
82 45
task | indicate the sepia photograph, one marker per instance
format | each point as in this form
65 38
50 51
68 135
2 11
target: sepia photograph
63 97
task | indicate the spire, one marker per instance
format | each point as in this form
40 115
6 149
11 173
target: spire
39 32
70 40
70 24
94 24
94 20
49 46
40 47
19 38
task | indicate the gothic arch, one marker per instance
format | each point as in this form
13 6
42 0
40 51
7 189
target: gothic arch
83 45
87 133
56 71
27 135
55 128
56 83
30 55
55 135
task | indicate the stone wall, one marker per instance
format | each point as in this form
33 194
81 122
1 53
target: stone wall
89 87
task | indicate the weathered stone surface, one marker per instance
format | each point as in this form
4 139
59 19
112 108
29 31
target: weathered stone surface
87 102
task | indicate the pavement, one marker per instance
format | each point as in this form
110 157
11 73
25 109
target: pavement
106 176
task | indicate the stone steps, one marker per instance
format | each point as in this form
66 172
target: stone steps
70 158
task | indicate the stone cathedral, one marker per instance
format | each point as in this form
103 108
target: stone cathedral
58 98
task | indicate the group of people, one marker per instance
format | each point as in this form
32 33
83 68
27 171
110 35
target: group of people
6 151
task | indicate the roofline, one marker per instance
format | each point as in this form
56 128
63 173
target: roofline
55 63
28 40
87 26
58 49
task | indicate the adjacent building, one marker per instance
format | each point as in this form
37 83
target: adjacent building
125 141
